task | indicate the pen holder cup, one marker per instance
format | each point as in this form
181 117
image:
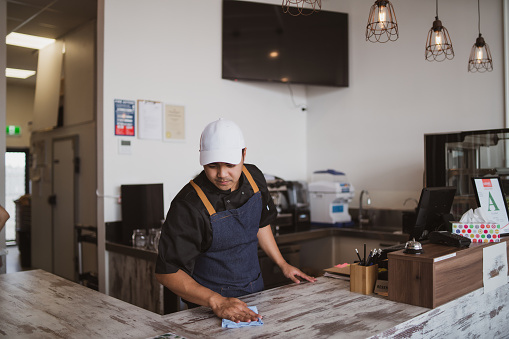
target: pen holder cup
363 278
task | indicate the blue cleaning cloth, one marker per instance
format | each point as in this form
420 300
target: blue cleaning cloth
231 324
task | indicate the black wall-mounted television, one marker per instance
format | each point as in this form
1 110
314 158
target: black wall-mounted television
262 43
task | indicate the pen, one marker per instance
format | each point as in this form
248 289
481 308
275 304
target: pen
370 256
364 259
358 256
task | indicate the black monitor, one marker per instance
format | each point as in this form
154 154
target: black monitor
433 211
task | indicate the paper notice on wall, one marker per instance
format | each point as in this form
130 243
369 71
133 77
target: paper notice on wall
174 123
494 266
150 119
124 117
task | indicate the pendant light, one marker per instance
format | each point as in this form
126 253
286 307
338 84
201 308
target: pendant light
438 43
480 55
301 7
382 25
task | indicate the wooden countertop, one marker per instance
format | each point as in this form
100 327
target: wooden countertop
38 304
322 309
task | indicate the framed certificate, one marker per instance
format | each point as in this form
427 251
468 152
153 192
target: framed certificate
491 199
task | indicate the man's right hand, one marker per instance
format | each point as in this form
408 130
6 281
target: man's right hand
226 308
232 309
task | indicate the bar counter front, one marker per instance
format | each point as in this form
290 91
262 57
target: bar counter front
38 304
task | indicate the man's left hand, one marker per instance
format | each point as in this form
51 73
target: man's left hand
292 273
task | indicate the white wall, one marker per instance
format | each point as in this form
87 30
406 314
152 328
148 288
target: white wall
79 94
48 86
170 51
373 130
20 106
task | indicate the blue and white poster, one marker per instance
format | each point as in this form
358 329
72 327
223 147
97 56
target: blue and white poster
124 117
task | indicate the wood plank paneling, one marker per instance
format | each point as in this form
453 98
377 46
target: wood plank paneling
132 280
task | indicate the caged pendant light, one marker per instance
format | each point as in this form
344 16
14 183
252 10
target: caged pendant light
302 7
480 55
438 42
382 25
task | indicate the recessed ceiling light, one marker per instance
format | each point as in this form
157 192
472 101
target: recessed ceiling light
29 41
18 73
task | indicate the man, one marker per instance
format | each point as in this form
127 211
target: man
4 216
208 251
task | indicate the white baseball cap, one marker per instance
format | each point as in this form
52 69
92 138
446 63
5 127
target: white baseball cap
221 141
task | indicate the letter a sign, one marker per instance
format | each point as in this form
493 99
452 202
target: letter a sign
492 201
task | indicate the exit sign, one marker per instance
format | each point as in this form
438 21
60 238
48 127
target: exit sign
13 130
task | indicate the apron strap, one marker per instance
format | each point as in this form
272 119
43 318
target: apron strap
250 179
203 198
206 201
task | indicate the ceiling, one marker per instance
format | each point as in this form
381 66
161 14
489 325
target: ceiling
46 18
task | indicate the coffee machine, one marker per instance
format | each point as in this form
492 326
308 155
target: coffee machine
292 204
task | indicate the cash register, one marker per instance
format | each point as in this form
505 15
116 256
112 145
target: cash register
433 219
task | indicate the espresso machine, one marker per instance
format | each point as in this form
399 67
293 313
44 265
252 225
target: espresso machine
292 204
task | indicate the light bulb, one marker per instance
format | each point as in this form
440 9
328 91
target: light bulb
382 14
274 54
438 40
479 55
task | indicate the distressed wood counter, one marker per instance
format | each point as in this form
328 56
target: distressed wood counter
327 309
130 275
37 304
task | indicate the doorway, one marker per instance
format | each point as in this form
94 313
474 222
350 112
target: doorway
16 185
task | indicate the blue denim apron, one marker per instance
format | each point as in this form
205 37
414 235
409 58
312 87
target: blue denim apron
230 267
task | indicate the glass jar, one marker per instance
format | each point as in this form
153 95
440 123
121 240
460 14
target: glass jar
153 239
139 238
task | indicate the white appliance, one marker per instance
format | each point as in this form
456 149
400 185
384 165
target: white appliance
329 196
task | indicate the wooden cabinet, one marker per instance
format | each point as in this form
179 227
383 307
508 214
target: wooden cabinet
437 276
132 279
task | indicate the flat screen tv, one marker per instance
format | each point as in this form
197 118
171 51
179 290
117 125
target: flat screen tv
262 43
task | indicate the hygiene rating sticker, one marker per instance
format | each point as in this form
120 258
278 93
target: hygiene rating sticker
478 232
